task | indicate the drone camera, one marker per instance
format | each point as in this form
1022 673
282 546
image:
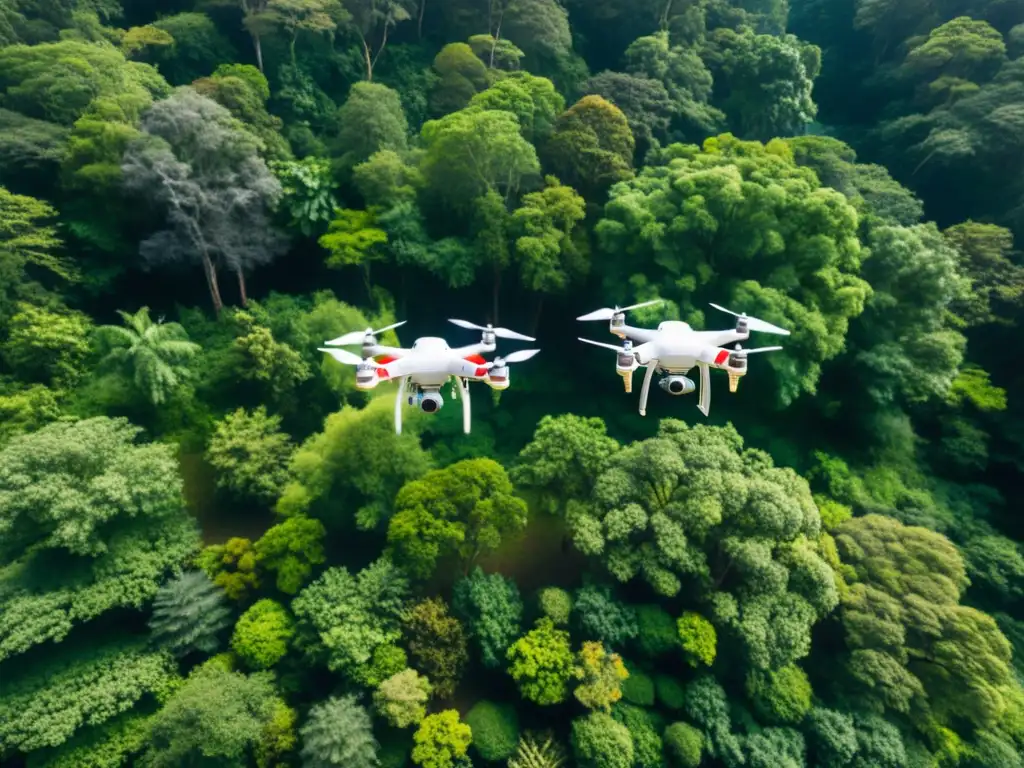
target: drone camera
676 385
431 402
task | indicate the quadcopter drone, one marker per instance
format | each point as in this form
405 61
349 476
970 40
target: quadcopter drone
674 348
429 365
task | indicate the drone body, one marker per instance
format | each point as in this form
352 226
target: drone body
428 365
674 348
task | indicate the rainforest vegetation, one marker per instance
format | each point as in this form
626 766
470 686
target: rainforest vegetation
216 551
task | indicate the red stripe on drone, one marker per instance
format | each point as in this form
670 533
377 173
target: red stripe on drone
385 359
481 371
721 357
382 373
475 359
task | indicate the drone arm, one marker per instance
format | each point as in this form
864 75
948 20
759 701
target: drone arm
466 412
376 350
704 402
399 397
474 349
647 386
720 338
643 335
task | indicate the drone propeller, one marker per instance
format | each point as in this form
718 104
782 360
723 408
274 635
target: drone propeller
754 323
348 358
361 337
607 313
744 352
612 347
501 333
515 357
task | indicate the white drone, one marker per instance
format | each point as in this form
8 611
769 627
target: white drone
429 365
674 348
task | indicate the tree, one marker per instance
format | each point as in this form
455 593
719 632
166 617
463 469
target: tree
343 620
600 674
307 193
338 733
541 663
698 638
644 101
201 168
780 696
460 75
657 633
250 454
370 120
961 50
591 147
294 16
472 152
598 615
539 27
402 698
997 283
45 703
538 751
437 644
550 257
556 604
262 634
441 740
352 239
532 99
492 609
750 552
155 357
189 614
57 81
684 744
370 18
563 459
47 347
197 49
261 358
216 715
244 91
598 741
713 205
232 566
495 729
465 509
291 549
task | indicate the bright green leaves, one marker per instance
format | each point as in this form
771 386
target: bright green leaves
352 239
962 49
698 638
262 634
780 696
291 549
307 193
47 347
153 357
461 75
465 509
371 119
533 100
402 698
997 282
598 741
495 729
541 662
550 257
441 741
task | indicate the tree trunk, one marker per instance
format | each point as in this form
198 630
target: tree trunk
369 62
211 283
291 47
419 20
241 287
259 51
536 315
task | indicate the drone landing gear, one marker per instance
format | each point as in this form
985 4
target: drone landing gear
646 388
463 384
398 404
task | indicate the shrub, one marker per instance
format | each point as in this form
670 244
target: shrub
644 729
556 604
600 742
669 692
638 688
698 637
658 632
262 634
495 730
781 696
683 744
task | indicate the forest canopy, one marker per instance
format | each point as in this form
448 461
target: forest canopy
215 549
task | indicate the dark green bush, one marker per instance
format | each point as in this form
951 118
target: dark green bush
683 745
658 632
669 692
495 730
638 688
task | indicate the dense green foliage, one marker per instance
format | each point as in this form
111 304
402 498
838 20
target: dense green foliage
214 548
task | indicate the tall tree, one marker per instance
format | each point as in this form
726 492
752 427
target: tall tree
592 146
189 612
153 356
338 734
372 21
199 166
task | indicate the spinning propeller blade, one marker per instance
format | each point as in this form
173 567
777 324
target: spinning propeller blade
759 349
613 347
501 333
357 337
607 314
753 323
348 358
520 356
